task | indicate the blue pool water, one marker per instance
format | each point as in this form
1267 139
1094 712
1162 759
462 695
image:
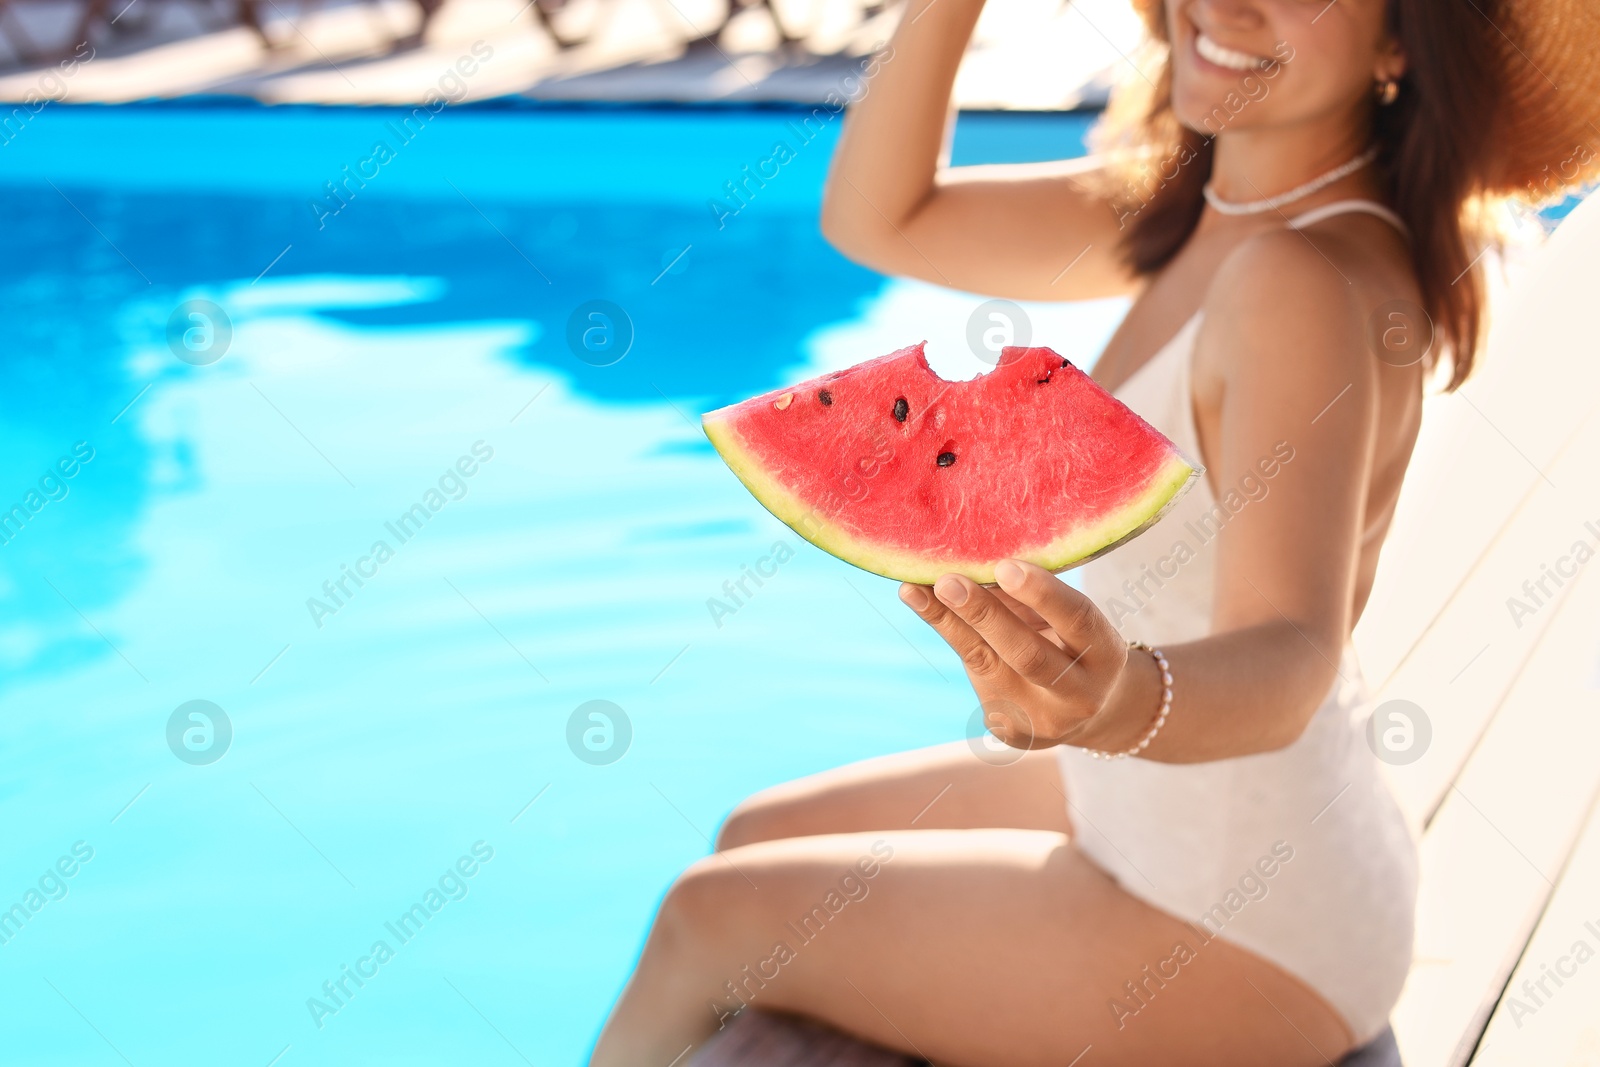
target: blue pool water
188 527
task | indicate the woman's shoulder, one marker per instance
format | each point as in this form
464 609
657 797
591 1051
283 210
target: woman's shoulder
1307 291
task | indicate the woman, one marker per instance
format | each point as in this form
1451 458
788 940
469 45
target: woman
1192 858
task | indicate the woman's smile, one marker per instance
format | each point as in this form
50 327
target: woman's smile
1226 60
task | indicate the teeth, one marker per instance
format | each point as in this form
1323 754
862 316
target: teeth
1226 57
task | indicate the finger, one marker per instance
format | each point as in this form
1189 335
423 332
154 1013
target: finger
1022 647
1073 616
979 658
1030 617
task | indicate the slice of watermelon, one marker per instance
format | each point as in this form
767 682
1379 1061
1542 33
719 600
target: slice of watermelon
890 467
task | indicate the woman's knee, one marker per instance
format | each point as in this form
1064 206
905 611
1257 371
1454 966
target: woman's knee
689 898
703 903
758 817
876 793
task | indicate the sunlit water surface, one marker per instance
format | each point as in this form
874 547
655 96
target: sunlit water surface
387 734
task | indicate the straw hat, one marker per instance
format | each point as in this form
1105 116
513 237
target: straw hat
1550 121
1547 132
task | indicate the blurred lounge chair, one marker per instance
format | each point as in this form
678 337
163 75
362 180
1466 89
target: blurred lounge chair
100 18
250 13
544 12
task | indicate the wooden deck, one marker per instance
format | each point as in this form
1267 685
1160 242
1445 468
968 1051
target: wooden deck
1504 794
1510 779
755 1038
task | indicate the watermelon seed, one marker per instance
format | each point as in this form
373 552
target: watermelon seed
1046 379
783 401
826 398
901 410
946 459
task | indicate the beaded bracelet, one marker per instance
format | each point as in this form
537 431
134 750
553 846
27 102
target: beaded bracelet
1161 716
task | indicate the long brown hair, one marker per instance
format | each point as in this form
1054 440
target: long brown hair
1434 160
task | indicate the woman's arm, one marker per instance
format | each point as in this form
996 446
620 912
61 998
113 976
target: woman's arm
1012 230
1284 333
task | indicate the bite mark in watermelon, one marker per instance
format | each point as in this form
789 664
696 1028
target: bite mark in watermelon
901 473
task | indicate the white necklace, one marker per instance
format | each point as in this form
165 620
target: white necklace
1299 192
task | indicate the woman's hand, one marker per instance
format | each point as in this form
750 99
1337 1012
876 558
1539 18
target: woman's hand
1045 662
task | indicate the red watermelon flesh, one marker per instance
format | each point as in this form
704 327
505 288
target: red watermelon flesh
890 467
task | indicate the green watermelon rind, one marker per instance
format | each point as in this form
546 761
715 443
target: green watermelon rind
1072 548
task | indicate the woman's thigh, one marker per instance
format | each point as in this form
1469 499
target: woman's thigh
983 947
945 787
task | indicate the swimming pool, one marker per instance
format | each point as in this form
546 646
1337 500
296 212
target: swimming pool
262 349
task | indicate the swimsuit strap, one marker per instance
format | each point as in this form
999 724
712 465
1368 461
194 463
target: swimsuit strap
1340 207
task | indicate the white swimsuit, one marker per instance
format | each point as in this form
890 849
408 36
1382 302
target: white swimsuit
1300 855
